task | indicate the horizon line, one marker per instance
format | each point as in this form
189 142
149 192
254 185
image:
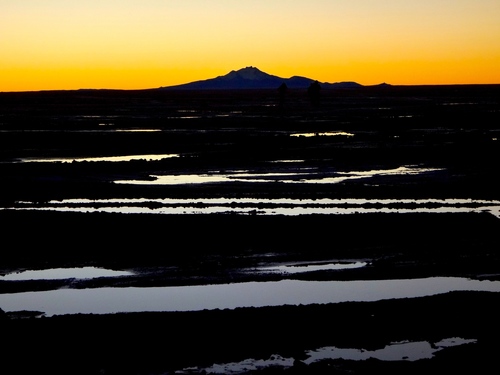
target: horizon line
175 87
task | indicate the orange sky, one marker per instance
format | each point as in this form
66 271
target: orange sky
134 44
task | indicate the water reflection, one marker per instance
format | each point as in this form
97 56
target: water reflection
100 158
259 206
399 351
324 134
291 269
288 161
230 296
64 273
101 130
304 176
138 130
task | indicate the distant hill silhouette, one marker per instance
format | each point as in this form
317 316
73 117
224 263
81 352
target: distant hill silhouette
253 78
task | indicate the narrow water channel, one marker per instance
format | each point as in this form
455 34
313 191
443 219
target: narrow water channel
234 295
289 207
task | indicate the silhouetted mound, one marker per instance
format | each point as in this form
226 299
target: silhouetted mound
253 78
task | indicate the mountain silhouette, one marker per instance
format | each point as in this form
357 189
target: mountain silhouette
253 78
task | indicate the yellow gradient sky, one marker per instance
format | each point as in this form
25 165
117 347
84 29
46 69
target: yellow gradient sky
135 44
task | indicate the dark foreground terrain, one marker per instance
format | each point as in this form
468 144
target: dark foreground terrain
450 133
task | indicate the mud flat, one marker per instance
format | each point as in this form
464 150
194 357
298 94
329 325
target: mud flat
156 190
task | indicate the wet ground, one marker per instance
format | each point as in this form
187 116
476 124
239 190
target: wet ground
206 188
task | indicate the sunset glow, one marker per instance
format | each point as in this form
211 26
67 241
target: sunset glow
136 44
